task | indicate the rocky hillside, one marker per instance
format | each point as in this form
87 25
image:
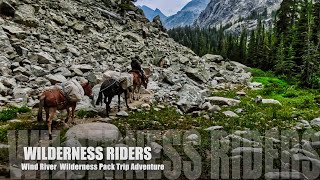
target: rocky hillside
229 11
150 13
187 15
46 42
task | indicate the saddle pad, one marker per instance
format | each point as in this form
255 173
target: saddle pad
125 79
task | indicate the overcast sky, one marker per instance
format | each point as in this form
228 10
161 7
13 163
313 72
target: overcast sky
168 7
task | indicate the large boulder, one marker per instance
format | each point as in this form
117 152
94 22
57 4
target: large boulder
201 76
25 15
191 97
222 101
57 78
43 58
212 58
5 44
100 133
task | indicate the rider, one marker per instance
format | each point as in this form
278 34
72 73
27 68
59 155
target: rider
135 65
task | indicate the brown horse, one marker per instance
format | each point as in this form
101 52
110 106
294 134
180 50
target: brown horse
137 82
54 99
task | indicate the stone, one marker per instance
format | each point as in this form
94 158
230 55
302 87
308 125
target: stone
258 99
13 30
83 67
240 150
103 133
271 101
7 9
132 36
214 128
38 71
214 108
206 106
241 93
44 58
63 71
5 44
201 76
212 58
315 122
230 114
122 114
57 78
223 101
190 98
79 26
302 124
255 85
22 93
14 121
193 137
25 14
21 70
145 106
72 143
21 78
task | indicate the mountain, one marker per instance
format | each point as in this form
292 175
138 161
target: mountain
187 15
150 13
223 12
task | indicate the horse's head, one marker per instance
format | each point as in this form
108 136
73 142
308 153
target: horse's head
87 89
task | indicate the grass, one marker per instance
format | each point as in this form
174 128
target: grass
12 112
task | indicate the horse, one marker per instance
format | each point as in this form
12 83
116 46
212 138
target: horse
137 82
54 99
109 88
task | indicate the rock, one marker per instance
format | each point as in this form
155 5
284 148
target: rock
193 137
240 110
14 121
258 99
38 71
79 26
94 132
214 108
3 90
57 78
156 148
44 58
122 114
63 71
72 143
145 106
212 58
83 67
206 106
206 116
284 175
315 122
25 15
21 70
201 76
230 114
303 124
240 150
132 36
21 78
271 101
22 93
223 101
190 98
7 9
214 128
5 44
13 30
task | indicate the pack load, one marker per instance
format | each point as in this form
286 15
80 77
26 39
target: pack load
125 79
73 90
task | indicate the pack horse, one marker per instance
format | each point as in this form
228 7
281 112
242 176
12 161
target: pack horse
62 96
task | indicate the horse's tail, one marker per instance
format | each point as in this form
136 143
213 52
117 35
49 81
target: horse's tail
41 104
99 100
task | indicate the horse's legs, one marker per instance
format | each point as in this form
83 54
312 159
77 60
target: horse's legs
118 102
68 114
73 108
108 104
47 114
52 111
126 97
139 95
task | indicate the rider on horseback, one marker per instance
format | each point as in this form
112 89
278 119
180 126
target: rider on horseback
135 65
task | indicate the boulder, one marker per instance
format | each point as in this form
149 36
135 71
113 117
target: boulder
255 85
201 76
214 128
315 122
133 37
101 133
271 101
222 101
38 71
44 58
212 58
22 93
214 108
122 114
57 78
230 114
190 97
25 14
5 44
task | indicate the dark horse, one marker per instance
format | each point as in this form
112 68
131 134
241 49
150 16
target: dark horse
110 88
53 99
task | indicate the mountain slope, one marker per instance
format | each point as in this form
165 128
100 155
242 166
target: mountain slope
229 11
187 15
150 13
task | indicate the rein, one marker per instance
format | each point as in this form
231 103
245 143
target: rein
109 85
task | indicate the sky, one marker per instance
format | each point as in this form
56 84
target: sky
168 7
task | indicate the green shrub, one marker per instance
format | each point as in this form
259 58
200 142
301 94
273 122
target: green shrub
12 112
